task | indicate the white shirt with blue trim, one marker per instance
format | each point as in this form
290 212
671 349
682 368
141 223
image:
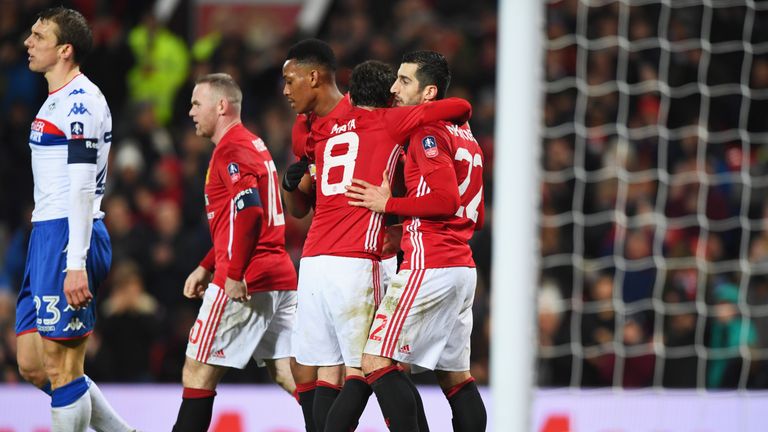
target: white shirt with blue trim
70 140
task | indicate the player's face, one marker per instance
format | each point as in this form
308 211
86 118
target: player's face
406 87
203 111
298 86
43 46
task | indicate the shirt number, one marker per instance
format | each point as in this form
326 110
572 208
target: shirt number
275 210
346 161
470 210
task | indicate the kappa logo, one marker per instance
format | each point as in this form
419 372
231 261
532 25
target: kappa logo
78 109
219 354
74 324
430 146
76 92
405 349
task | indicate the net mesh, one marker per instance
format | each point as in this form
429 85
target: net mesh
654 267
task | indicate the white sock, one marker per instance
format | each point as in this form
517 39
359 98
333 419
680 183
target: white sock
103 417
73 417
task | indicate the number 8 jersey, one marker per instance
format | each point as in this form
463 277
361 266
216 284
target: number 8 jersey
361 144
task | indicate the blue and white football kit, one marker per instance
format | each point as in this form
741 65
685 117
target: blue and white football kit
70 140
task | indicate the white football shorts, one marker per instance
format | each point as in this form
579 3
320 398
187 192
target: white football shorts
389 267
336 303
425 319
228 333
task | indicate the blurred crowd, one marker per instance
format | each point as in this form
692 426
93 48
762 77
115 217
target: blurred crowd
146 67
654 233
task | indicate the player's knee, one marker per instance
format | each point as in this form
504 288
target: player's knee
373 363
280 371
449 379
35 375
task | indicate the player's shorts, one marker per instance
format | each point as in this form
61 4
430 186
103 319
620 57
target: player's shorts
426 319
336 305
389 270
229 333
41 305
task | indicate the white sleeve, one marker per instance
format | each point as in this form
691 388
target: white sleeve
82 128
82 190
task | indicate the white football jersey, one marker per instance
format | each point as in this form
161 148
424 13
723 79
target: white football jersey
74 125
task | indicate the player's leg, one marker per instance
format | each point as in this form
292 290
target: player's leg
278 309
467 406
394 391
280 372
314 339
29 356
29 345
305 378
356 298
349 405
200 381
452 369
70 403
329 380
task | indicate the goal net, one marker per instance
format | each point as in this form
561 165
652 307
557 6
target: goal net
654 182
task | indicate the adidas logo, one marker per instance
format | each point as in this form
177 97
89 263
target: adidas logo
218 354
405 349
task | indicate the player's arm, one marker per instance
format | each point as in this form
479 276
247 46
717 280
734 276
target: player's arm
82 155
403 121
431 153
298 192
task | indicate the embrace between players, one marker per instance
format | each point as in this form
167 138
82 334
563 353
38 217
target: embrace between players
342 334
338 337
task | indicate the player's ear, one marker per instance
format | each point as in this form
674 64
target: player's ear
429 93
314 78
66 51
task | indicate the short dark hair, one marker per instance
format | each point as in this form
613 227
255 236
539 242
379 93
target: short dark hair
313 51
73 30
432 70
370 83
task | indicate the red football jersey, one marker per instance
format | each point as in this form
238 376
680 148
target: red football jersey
241 161
302 143
443 242
360 144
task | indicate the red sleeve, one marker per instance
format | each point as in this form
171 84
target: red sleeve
246 237
441 201
403 121
300 137
243 189
209 262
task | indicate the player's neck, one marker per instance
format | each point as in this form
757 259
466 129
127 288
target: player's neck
60 75
226 125
330 98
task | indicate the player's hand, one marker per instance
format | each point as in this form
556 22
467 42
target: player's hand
236 290
76 288
197 282
370 196
294 173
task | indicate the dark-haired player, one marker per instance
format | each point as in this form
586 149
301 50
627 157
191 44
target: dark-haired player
436 282
69 248
340 267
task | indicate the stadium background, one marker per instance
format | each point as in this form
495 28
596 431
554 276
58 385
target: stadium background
631 292
154 202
